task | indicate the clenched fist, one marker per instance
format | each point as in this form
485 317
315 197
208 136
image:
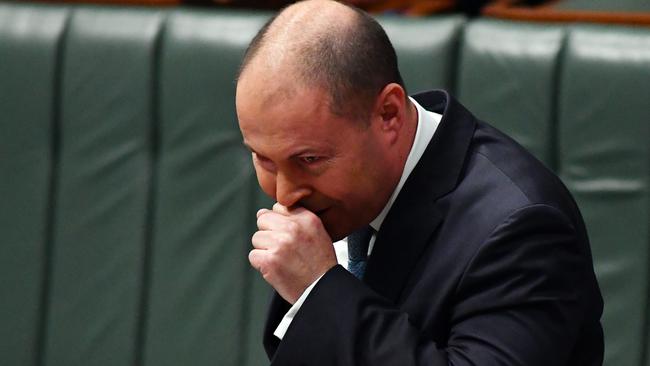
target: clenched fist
292 249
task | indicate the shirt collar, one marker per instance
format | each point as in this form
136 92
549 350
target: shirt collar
427 124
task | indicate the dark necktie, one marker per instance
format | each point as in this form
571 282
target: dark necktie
358 250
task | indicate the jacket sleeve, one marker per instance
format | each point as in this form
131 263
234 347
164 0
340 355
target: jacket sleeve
518 302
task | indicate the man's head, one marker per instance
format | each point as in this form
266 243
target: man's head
321 105
341 49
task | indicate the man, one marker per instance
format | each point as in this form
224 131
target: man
476 254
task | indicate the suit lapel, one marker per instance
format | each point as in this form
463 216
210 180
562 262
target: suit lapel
411 222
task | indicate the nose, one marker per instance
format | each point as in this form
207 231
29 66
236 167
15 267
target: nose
288 191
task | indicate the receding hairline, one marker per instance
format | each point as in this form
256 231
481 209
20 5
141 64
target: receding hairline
293 29
328 45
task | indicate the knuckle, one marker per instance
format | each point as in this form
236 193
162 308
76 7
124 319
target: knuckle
272 261
280 208
313 219
256 239
255 260
260 220
292 227
282 248
279 239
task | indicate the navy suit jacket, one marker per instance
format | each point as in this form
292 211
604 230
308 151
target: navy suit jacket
482 260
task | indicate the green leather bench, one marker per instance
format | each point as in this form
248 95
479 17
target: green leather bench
127 200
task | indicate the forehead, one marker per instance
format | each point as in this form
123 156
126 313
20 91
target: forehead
274 118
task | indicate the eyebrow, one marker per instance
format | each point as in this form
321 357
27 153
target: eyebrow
247 146
306 150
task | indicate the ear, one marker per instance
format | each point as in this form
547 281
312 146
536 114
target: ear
390 111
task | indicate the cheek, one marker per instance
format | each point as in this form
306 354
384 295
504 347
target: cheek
366 181
350 185
266 180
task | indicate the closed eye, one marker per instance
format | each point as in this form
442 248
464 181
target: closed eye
309 159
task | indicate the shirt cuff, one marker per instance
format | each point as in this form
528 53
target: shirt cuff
281 329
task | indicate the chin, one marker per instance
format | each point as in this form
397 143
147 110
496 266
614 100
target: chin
337 224
337 232
333 230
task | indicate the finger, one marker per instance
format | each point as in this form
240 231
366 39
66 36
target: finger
289 211
304 215
299 210
272 221
283 210
256 257
266 239
262 211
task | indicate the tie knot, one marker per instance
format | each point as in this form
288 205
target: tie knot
358 243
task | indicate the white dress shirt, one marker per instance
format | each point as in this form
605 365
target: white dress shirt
427 125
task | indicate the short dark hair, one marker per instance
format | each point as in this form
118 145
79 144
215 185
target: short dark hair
353 64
